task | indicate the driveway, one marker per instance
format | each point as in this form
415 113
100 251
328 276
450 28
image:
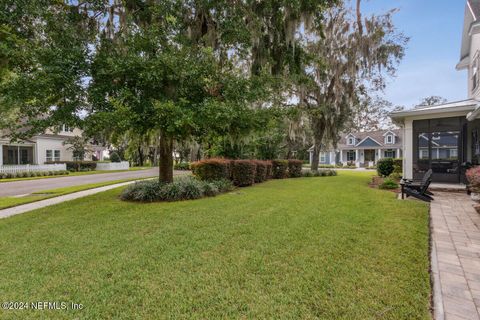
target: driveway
17 188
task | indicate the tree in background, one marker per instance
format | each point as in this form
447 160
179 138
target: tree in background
349 61
373 113
432 101
80 147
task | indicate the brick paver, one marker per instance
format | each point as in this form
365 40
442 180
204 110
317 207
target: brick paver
455 257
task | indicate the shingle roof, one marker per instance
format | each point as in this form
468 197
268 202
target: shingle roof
378 136
475 6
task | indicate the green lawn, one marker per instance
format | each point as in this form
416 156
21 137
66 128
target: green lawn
313 248
8 202
83 173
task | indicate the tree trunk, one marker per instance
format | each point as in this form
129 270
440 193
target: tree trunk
166 159
140 156
316 156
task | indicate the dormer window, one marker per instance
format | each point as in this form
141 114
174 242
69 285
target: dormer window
351 141
389 139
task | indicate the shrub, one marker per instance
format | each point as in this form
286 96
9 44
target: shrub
398 165
184 188
308 174
385 167
243 172
294 168
211 169
182 166
388 184
10 175
279 169
115 157
395 176
146 191
473 178
327 166
269 166
223 185
3 175
261 171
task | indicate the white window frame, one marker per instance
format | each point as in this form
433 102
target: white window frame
453 153
389 154
389 139
351 141
66 128
55 155
323 157
422 151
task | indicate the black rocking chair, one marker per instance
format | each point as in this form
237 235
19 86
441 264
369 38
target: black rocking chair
418 190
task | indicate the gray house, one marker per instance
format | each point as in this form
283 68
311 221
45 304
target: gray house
363 149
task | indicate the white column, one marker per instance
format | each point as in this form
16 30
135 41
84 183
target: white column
341 156
398 155
311 158
332 157
1 155
408 149
357 159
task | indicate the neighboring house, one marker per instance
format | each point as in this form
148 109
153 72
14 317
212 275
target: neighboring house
363 149
445 138
43 148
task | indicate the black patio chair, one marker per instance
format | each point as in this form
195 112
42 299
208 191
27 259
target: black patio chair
418 190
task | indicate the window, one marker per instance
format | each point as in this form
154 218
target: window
453 153
66 128
389 153
52 155
389 139
351 141
323 157
351 156
423 154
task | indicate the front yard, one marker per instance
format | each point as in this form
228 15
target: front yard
305 248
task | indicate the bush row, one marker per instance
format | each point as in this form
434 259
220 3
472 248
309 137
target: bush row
387 166
246 172
77 165
29 174
184 188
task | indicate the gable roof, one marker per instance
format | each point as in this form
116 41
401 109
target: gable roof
368 142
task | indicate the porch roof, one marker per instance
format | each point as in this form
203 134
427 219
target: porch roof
457 106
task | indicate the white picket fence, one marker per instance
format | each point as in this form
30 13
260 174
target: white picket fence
32 167
109 166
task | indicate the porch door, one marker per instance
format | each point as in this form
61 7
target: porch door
369 155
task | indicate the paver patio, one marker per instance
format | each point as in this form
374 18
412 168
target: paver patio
455 256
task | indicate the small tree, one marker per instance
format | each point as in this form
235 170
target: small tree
80 147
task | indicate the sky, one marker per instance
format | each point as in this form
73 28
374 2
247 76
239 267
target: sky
428 68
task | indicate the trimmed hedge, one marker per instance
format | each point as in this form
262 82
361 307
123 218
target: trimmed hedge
261 171
279 169
269 173
76 165
211 169
32 174
295 168
244 172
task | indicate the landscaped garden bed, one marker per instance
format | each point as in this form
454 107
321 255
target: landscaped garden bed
216 176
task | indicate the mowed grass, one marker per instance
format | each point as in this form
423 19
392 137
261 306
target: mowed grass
8 202
313 248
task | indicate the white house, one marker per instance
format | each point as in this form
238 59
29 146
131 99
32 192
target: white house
43 148
445 138
363 149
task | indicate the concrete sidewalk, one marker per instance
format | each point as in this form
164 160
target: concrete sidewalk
49 202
